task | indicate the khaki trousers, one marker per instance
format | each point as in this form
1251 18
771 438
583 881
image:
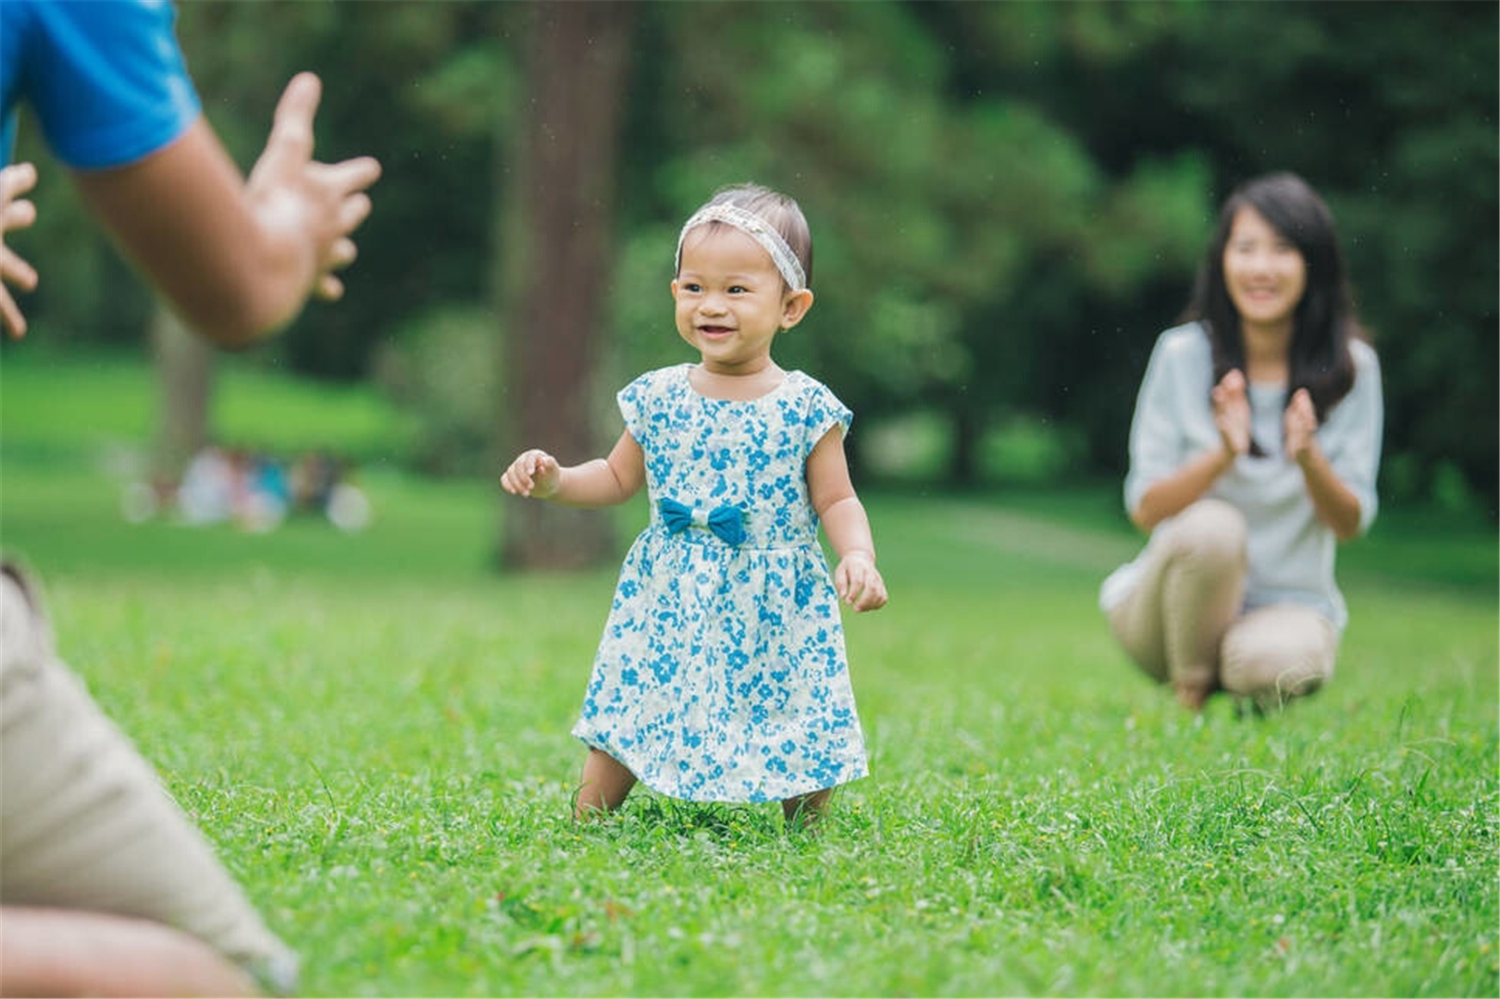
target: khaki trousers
1183 624
85 822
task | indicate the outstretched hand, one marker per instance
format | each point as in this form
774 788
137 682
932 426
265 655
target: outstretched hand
1232 413
15 213
858 583
534 473
309 209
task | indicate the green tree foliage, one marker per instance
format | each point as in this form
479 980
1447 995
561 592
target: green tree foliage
1391 110
1009 199
423 86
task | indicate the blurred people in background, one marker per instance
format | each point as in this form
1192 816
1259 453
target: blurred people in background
323 483
1253 452
253 490
107 887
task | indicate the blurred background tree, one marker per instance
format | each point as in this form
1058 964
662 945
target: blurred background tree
1009 201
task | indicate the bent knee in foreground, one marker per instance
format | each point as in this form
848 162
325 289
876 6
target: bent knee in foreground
1276 654
1210 529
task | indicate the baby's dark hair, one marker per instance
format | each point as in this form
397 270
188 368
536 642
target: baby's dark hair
780 211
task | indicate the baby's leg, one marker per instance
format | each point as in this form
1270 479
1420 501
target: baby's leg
606 781
805 810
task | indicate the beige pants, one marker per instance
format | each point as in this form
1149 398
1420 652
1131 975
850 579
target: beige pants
1183 623
85 822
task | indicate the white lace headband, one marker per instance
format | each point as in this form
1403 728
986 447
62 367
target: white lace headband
757 229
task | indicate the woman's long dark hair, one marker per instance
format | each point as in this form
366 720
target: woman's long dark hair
1325 320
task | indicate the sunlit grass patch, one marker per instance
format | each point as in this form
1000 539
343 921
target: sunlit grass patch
373 729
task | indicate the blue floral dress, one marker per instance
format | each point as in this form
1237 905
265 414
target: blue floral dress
721 675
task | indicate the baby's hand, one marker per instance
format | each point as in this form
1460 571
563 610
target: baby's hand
858 582
535 474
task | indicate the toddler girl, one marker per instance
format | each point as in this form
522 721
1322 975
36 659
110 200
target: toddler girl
721 675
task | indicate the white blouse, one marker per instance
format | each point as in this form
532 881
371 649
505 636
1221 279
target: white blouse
1291 552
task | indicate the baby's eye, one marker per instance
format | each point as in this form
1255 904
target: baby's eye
692 286
736 289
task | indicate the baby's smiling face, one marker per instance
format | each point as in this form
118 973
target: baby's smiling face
731 300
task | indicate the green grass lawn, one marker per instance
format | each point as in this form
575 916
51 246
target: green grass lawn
373 729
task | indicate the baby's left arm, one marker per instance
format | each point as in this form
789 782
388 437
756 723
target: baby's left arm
858 582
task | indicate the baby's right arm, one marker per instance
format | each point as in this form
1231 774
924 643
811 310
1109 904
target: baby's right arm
601 482
533 473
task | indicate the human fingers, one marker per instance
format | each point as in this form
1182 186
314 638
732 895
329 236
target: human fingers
341 189
513 482
348 212
353 175
844 583
872 593
546 474
14 271
1302 404
352 211
15 180
341 254
874 598
10 315
1300 413
521 477
335 209
17 215
516 479
1229 394
329 288
1300 423
291 138
341 251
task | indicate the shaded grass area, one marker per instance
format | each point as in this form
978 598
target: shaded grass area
373 730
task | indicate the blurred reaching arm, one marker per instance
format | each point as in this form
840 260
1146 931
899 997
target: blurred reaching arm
238 259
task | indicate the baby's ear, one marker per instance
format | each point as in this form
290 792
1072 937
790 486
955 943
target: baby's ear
795 307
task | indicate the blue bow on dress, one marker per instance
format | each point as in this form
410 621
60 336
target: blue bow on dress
728 522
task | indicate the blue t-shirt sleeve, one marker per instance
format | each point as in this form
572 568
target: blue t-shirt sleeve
105 78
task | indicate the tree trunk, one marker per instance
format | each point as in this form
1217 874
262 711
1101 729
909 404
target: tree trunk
184 379
963 460
556 248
